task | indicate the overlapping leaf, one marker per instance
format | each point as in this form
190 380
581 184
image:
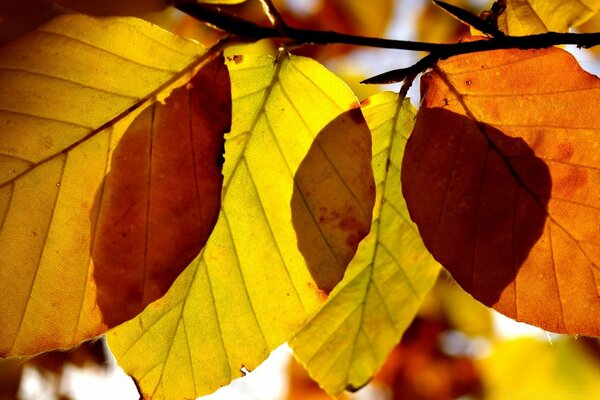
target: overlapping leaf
526 17
350 337
501 175
158 204
333 197
63 110
249 289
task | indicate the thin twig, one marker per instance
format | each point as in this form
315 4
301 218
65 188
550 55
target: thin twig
469 18
250 31
403 74
274 16
240 27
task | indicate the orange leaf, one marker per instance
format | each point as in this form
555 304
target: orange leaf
333 197
160 201
502 176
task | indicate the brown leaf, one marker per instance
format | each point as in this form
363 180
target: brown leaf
10 378
333 197
501 174
18 17
161 199
110 7
418 369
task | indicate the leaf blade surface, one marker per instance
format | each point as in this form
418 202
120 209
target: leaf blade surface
503 184
249 289
347 341
528 17
63 110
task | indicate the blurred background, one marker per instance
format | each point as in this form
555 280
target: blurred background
455 347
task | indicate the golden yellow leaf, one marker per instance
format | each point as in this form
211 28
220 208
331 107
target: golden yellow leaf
527 368
63 110
368 18
348 340
249 289
527 17
501 175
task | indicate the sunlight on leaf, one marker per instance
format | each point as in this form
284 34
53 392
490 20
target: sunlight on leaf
527 17
63 110
348 340
527 368
502 178
333 198
249 288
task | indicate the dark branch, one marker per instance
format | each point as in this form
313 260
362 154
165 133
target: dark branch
240 27
247 30
469 18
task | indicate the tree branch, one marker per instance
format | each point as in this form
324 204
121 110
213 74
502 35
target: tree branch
247 30
240 27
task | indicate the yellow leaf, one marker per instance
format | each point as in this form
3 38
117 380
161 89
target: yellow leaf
527 17
348 340
249 289
501 175
63 109
527 368
368 18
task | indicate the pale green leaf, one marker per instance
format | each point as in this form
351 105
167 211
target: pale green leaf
348 340
67 91
249 289
527 17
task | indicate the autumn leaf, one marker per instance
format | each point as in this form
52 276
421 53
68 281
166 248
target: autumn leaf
435 25
348 340
157 206
527 368
501 177
418 368
333 197
63 111
362 18
527 17
20 16
249 289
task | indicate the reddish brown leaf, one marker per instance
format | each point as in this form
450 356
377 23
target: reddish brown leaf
161 198
333 197
501 174
418 369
